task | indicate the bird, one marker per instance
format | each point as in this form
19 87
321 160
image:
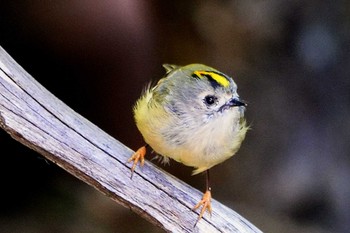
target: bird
194 116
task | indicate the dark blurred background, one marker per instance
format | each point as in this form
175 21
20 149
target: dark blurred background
290 59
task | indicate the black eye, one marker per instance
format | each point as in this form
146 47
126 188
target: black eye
210 99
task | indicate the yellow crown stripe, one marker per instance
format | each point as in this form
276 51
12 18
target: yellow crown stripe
220 79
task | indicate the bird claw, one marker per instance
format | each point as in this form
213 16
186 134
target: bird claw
138 156
205 203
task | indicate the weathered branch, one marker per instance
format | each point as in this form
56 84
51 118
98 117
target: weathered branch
37 119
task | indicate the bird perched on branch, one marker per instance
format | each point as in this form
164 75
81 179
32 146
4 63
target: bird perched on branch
193 115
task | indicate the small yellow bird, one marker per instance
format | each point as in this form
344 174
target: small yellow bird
194 116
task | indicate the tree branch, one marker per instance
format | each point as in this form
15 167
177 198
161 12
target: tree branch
37 119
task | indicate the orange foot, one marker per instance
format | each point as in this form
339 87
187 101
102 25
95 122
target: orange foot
139 155
206 203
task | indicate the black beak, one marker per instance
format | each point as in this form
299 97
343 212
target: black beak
235 102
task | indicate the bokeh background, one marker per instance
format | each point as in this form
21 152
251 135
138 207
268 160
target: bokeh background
290 59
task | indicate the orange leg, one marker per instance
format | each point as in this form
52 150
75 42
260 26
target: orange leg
205 202
139 155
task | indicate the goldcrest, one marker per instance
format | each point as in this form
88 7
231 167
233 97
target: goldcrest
193 115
